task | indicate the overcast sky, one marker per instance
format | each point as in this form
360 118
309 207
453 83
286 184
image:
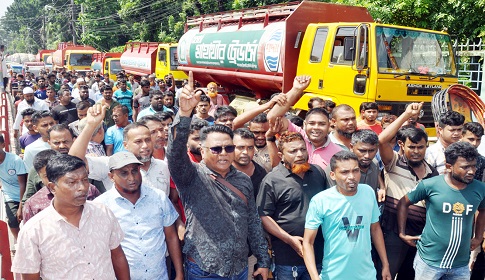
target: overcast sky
3 7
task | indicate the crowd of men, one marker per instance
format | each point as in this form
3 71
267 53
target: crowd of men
116 176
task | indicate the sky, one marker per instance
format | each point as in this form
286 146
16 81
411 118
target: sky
3 7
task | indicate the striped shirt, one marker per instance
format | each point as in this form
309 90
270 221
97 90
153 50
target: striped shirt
125 98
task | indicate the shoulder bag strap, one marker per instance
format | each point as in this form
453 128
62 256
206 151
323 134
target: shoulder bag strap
231 187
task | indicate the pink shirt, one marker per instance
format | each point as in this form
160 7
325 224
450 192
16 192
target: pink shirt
320 156
59 250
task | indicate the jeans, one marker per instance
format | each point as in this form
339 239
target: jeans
285 272
194 272
425 272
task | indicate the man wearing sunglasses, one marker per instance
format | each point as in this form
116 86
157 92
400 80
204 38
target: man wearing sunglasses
218 199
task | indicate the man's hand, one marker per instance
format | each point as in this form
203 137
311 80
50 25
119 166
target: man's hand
263 271
475 242
188 98
279 99
274 127
301 82
414 109
381 195
386 273
410 240
15 133
296 242
20 216
96 114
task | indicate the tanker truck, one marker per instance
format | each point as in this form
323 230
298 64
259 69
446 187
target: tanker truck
107 63
350 57
43 55
73 57
145 58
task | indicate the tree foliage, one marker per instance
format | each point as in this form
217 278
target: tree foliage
108 24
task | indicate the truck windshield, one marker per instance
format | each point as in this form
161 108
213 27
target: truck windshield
81 59
414 52
115 66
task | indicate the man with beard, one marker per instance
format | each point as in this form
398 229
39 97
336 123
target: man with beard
113 138
345 123
450 127
124 96
65 112
83 95
108 102
315 127
193 143
283 200
451 202
202 110
225 115
364 144
30 101
51 82
169 102
158 132
402 172
136 139
41 91
348 215
141 100
156 105
243 157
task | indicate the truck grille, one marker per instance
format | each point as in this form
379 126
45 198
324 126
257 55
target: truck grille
397 108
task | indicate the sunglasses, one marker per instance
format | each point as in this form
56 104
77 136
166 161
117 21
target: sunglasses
218 149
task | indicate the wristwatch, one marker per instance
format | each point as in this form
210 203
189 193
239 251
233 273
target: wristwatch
271 139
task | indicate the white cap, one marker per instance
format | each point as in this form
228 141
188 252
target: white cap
28 90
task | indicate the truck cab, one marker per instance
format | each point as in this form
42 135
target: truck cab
351 63
79 60
167 62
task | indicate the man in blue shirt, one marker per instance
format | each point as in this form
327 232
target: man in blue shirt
113 137
349 216
124 96
147 218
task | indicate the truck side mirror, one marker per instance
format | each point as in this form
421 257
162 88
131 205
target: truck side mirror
349 49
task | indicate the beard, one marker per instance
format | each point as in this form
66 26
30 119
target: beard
414 163
347 135
144 159
300 167
212 94
460 179
194 151
30 102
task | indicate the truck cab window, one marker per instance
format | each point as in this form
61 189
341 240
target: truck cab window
340 53
162 55
318 45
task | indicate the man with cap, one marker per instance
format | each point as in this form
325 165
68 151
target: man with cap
146 217
30 101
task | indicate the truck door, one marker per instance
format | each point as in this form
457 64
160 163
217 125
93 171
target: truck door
162 67
343 77
315 60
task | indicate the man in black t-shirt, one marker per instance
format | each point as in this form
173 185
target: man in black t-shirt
282 202
65 113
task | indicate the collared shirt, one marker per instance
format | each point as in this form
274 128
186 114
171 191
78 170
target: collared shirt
435 156
334 140
399 179
114 136
95 149
217 237
52 104
369 177
285 197
157 176
59 250
125 98
108 119
147 112
42 199
38 105
143 224
317 155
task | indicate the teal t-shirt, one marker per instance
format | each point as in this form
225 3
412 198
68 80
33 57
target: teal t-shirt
445 241
345 222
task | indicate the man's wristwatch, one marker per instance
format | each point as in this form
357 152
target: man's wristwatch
271 139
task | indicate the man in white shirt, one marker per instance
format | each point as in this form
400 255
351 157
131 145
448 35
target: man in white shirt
30 101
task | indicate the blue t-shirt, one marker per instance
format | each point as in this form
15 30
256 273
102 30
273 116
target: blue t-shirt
125 98
10 168
345 222
41 94
114 136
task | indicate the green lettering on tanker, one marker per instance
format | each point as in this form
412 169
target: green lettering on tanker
226 49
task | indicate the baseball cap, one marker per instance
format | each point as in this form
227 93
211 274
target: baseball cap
28 90
122 159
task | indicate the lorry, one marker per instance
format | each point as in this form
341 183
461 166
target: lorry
43 55
73 57
350 57
107 63
146 58
33 67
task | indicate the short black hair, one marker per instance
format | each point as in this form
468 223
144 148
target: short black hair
40 115
321 111
261 118
155 92
143 120
366 136
414 134
244 133
368 106
296 120
460 149
474 127
144 83
342 156
313 99
168 93
84 104
217 128
451 118
59 128
204 98
197 124
224 110
106 87
42 158
130 127
28 112
163 116
61 164
124 109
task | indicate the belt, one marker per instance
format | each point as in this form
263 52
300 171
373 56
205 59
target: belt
190 259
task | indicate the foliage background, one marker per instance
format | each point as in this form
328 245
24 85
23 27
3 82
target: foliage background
30 25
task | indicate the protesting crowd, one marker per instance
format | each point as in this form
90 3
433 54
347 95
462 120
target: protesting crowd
140 179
